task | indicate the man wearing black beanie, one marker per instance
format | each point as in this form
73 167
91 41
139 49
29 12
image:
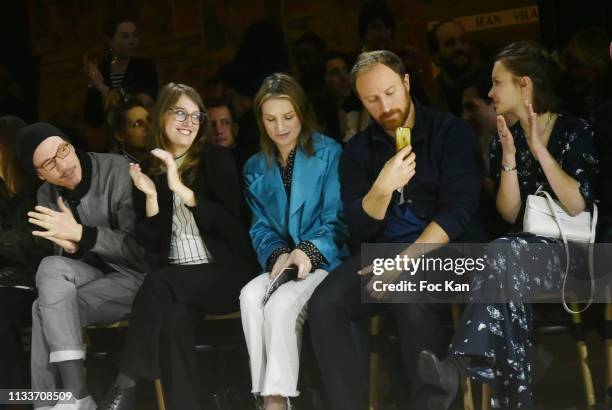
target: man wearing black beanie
85 209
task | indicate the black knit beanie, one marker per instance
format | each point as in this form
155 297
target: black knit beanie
30 137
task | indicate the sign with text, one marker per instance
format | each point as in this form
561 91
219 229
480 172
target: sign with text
497 19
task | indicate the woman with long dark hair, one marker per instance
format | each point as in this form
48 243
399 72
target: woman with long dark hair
544 149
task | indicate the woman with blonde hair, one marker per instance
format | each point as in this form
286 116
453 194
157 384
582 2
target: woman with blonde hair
198 248
293 190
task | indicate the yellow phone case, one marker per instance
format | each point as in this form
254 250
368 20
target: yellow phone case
402 137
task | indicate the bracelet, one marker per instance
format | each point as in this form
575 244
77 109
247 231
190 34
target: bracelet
508 168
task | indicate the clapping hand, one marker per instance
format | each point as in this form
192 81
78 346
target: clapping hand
93 73
61 227
142 181
505 137
174 179
535 135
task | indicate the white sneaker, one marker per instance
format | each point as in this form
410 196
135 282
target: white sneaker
86 403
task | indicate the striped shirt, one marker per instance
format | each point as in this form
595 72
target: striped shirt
186 244
117 79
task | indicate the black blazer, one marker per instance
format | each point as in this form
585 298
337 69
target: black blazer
218 213
445 188
140 77
18 247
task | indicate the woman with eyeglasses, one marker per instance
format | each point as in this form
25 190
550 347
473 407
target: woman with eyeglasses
197 245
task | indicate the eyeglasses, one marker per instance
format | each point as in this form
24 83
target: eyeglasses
197 117
61 153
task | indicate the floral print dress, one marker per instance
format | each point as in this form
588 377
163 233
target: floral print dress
498 335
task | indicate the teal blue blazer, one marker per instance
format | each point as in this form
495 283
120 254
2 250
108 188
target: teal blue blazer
314 211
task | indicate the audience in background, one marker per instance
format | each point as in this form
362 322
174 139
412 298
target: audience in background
119 73
588 93
347 107
376 26
20 254
336 77
450 50
328 94
479 111
308 54
12 98
224 130
239 87
262 51
376 29
128 128
586 61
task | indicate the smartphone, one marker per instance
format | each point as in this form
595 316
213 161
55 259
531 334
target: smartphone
284 276
290 271
402 138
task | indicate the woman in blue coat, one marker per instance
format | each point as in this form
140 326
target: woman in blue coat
293 190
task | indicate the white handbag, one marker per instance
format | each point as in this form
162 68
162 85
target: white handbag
545 217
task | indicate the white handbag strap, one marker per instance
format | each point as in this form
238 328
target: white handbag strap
553 210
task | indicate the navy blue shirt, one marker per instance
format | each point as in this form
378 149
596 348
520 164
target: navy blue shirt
445 188
402 225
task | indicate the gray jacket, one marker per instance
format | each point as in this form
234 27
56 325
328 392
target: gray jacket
102 203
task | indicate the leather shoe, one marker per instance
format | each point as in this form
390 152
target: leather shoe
119 398
441 374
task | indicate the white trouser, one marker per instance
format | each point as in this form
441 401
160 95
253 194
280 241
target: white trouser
274 333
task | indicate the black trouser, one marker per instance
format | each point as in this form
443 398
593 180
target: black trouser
15 312
335 303
162 333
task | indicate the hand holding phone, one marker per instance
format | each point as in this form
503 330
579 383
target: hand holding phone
402 138
286 275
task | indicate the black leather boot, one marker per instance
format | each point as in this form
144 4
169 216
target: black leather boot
119 398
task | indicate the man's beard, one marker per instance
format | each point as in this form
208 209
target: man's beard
394 118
